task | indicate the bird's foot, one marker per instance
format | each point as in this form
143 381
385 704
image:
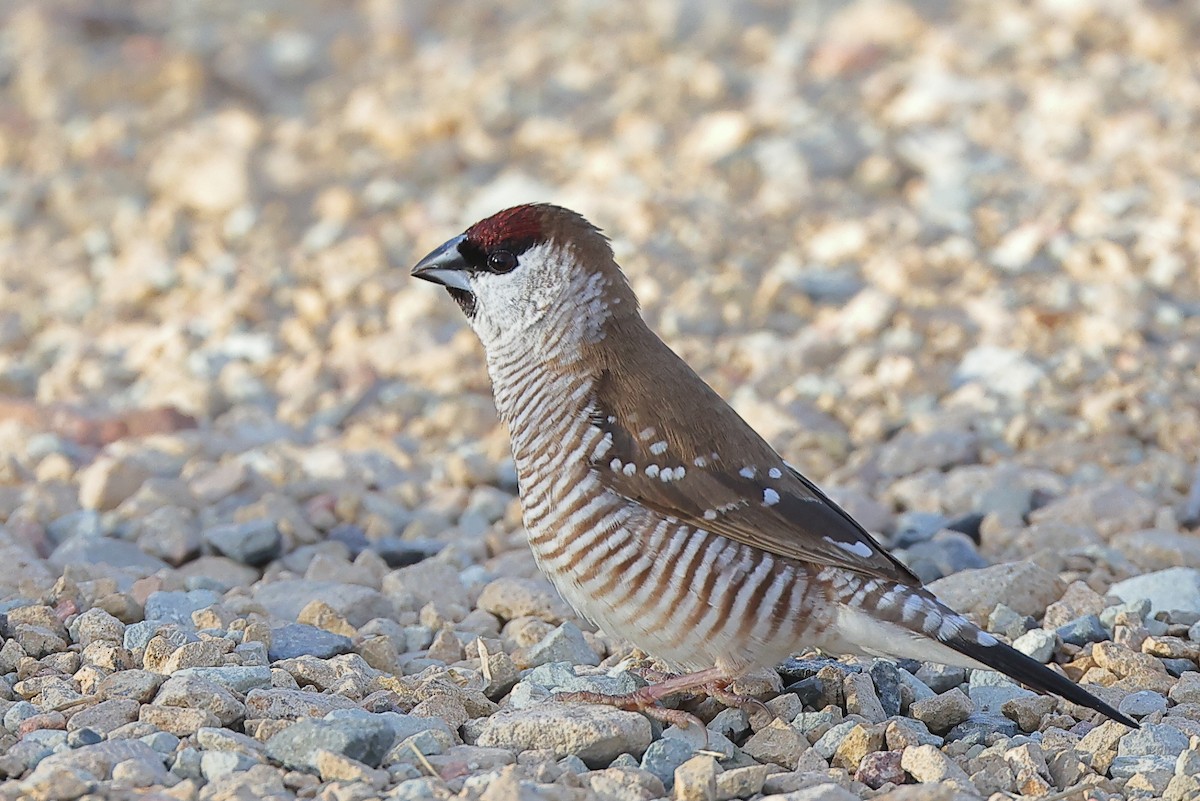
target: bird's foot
635 702
712 682
747 703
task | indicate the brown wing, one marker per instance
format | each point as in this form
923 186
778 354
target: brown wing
670 452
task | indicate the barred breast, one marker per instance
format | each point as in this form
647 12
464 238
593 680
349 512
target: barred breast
685 595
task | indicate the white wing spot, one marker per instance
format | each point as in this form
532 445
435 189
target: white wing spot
710 514
856 548
615 464
612 419
652 470
659 447
774 473
629 469
647 433
748 472
770 497
700 461
602 447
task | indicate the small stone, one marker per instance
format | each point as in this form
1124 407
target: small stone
857 744
81 737
696 780
1175 588
363 739
887 679
510 598
861 698
356 603
1187 691
106 715
827 744
741 782
60 784
177 607
981 728
1037 644
902 733
663 756
215 765
1123 661
1100 744
989 690
254 542
332 766
1141 703
292 640
1003 620
181 722
195 692
879 768
1083 630
778 743
139 685
943 712
96 625
1025 586
290 704
1028 711
1153 740
927 764
106 482
236 678
940 678
596 734
564 644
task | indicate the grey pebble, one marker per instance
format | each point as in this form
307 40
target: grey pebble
1083 630
940 678
1037 644
361 739
989 690
563 644
215 765
1174 588
84 736
1142 703
978 728
886 677
161 741
1153 740
254 542
596 734
177 607
238 678
186 764
293 640
828 743
1125 767
663 756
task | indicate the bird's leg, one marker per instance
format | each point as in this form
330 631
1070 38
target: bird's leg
646 699
747 703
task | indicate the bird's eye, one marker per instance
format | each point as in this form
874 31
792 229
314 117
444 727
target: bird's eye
501 261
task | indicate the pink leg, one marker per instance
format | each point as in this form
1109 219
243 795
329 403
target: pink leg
645 700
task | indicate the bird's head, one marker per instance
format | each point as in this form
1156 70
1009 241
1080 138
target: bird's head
530 267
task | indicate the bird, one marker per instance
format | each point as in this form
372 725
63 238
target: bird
653 508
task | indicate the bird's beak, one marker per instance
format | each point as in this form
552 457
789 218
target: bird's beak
445 266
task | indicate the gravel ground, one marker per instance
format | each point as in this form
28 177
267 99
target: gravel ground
260 535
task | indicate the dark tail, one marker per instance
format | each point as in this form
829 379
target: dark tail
1019 667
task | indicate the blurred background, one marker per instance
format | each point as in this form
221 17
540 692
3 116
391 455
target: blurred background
902 237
